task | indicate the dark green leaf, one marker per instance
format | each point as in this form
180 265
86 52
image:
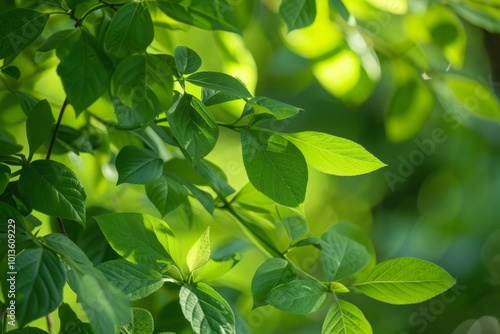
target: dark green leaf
73 140
403 281
193 126
10 160
85 72
210 15
205 198
186 60
53 41
296 227
216 177
166 194
220 82
270 274
70 324
345 318
279 110
29 330
8 143
52 188
134 280
142 84
38 283
11 218
206 310
297 14
20 27
12 71
26 101
299 296
357 234
74 3
312 241
274 166
39 125
130 31
138 165
4 177
341 9
153 242
341 256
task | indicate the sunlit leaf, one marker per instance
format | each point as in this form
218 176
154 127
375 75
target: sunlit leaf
345 318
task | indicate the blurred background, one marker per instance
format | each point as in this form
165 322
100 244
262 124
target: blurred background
414 82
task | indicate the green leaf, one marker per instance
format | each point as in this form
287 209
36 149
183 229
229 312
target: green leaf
403 281
334 155
106 307
52 188
166 193
210 15
4 177
9 217
357 234
471 95
26 101
214 269
296 227
130 31
216 177
12 71
142 83
38 284
39 125
279 110
53 41
134 280
152 241
484 15
193 126
298 296
270 274
85 72
28 330
138 165
220 82
337 287
211 97
202 196
297 14
20 27
341 256
341 9
70 323
206 310
274 166
199 253
345 318
186 60
142 322
73 140
8 145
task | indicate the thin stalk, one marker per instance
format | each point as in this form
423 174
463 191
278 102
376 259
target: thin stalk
56 129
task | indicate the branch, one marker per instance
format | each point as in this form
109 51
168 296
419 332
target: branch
56 129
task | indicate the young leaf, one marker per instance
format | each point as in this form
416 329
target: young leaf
208 15
334 155
279 110
39 284
153 242
296 227
199 254
12 71
141 322
39 125
130 31
134 280
272 273
298 296
214 269
166 193
403 281
85 72
193 126
206 310
52 188
138 165
220 82
297 13
142 83
345 318
341 256
274 166
186 60
20 27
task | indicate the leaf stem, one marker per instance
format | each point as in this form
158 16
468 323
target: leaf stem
56 128
50 325
80 21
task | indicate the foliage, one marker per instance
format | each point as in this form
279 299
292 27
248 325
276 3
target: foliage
167 119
